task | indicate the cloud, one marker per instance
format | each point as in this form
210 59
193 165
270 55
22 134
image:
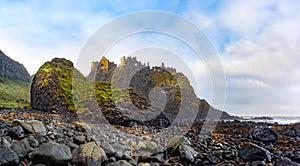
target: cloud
33 32
259 46
263 72
259 42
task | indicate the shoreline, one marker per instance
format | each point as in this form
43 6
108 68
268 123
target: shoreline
229 143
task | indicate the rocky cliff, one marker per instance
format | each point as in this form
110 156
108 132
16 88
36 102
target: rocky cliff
52 90
14 83
12 69
175 85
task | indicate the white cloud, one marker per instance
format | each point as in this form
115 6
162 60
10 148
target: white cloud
261 56
261 41
245 18
33 32
261 72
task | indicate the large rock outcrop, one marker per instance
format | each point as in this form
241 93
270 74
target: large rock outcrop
12 69
162 82
51 88
14 83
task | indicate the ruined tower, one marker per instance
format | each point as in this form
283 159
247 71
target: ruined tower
104 64
123 61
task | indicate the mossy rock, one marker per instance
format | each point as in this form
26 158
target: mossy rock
51 88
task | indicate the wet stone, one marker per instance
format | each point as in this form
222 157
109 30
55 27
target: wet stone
253 152
265 134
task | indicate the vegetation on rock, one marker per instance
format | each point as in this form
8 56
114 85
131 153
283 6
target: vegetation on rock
51 88
54 89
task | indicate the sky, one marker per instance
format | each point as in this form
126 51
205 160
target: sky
258 42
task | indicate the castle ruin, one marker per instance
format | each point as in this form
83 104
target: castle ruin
101 70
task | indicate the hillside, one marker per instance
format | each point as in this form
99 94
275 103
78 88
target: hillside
14 93
53 86
12 69
175 85
14 83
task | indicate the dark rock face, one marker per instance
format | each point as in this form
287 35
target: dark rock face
252 152
265 134
12 69
51 87
205 107
175 89
52 154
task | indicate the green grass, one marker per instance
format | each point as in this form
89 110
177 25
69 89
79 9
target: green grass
14 94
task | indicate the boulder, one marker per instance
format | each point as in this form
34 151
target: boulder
52 154
16 132
291 132
79 139
21 148
5 142
33 142
119 163
286 161
296 155
91 154
187 153
31 126
109 150
51 88
8 157
175 142
265 135
252 152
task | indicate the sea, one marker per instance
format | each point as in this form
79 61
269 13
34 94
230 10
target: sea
279 119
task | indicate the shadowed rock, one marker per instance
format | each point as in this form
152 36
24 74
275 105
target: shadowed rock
265 134
252 152
52 154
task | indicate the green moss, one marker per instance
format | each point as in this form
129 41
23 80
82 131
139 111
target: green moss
57 77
